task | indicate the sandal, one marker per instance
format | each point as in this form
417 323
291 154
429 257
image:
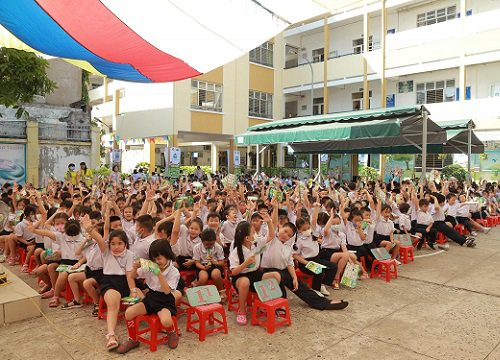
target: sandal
73 304
25 268
241 318
95 310
112 341
129 345
54 302
335 285
173 339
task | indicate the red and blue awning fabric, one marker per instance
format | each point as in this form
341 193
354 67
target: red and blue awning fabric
148 40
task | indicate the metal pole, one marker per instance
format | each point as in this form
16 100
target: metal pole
469 151
423 177
257 160
318 175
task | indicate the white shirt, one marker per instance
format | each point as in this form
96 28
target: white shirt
404 222
185 245
384 227
205 256
463 211
277 255
128 226
68 245
306 247
171 274
424 218
438 214
452 210
352 235
94 257
117 265
234 260
333 240
227 231
21 230
140 248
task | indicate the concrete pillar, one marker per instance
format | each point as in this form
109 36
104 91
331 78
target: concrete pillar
280 155
354 164
214 157
383 34
366 43
249 158
152 155
95 149
32 153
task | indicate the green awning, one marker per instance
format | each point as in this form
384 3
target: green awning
321 132
344 117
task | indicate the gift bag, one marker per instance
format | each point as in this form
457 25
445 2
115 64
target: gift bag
350 277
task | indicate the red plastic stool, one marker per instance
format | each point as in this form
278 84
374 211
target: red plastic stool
384 268
101 313
406 254
303 277
460 228
206 313
233 302
441 238
188 276
154 328
22 255
31 264
490 221
482 222
363 262
264 314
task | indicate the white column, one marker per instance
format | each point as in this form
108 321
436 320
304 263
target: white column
280 155
214 157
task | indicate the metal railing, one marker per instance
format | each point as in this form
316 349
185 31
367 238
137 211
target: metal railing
64 132
13 129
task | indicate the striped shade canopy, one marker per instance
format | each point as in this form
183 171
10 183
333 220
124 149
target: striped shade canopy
148 40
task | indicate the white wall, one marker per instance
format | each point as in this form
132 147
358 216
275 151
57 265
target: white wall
54 160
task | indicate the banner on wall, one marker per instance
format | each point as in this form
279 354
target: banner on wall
116 156
175 156
237 158
13 163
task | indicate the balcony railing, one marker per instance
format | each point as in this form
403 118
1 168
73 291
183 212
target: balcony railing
13 129
64 132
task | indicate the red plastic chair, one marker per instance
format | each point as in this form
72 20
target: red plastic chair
406 253
460 228
303 277
384 269
154 328
265 306
233 301
22 255
206 314
441 238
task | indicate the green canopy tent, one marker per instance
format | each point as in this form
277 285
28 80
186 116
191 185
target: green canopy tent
355 132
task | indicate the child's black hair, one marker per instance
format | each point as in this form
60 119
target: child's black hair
161 247
242 231
208 235
72 227
166 227
120 234
213 215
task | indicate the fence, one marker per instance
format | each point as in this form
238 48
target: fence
63 131
13 129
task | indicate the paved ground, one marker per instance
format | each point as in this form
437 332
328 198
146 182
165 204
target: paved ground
443 306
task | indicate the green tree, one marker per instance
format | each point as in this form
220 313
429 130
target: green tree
407 158
456 171
22 76
368 173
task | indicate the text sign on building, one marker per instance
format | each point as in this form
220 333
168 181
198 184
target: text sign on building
175 156
237 158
